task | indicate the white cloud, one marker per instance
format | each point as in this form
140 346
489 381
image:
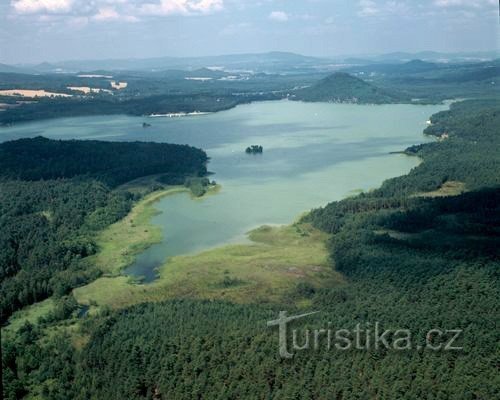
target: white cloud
280 16
41 6
183 7
207 6
368 8
106 14
464 3
108 10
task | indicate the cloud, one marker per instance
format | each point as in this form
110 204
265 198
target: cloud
368 8
106 14
182 7
41 6
279 16
108 10
110 14
207 6
464 3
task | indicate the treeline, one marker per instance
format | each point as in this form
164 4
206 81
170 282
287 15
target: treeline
54 197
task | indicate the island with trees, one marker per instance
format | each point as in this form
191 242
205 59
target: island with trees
254 149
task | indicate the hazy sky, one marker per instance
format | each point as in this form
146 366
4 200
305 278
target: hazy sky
52 30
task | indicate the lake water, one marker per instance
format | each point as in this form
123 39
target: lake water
313 153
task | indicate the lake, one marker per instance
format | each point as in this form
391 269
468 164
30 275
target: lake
313 153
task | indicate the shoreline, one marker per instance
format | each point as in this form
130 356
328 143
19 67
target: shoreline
201 113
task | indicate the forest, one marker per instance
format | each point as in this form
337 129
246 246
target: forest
420 252
54 197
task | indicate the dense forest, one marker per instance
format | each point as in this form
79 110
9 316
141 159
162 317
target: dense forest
414 256
54 197
111 162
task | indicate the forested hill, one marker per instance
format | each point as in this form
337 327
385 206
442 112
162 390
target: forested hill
344 88
111 162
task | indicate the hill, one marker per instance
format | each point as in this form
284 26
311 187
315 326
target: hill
4 68
341 87
410 67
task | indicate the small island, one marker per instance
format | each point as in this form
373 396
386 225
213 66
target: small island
254 149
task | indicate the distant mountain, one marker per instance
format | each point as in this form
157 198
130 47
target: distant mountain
418 66
411 67
272 62
342 87
46 67
4 68
254 62
357 61
429 56
202 73
434 56
418 70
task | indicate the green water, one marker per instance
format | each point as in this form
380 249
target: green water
313 153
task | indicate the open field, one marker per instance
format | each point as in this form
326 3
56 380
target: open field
449 188
31 93
268 270
29 314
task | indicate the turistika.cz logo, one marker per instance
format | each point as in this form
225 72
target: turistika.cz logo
369 337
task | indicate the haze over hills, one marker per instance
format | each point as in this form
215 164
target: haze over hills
254 62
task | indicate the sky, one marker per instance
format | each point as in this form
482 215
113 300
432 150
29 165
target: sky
33 31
